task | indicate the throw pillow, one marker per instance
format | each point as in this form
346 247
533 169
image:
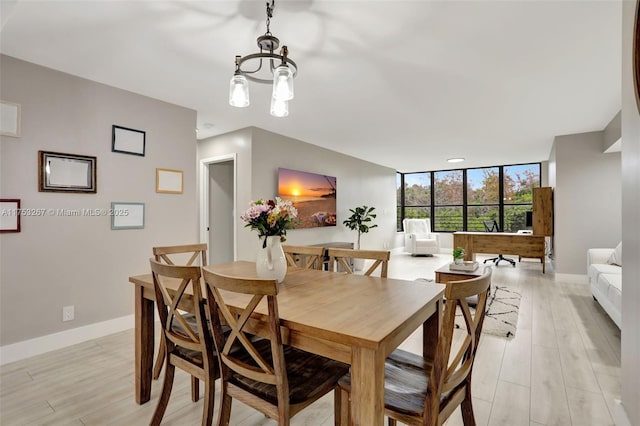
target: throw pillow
616 256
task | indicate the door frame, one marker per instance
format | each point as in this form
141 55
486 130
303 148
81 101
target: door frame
204 198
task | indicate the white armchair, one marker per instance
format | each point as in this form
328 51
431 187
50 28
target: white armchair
418 238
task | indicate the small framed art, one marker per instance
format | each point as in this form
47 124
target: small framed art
169 181
9 215
127 141
127 215
9 119
60 172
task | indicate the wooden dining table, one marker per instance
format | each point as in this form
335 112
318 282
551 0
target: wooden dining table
355 319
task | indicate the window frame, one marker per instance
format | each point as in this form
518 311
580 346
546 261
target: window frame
401 207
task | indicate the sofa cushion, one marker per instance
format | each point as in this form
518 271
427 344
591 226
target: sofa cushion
602 268
611 285
616 256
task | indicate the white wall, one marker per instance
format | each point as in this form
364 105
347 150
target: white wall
630 221
260 153
612 132
59 261
587 199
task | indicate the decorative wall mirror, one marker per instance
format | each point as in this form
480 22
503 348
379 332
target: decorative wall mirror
58 172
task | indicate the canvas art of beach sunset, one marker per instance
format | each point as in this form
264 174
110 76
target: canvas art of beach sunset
314 196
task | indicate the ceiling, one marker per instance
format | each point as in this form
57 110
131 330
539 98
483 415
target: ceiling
405 84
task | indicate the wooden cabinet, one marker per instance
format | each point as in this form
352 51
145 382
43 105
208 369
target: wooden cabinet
543 211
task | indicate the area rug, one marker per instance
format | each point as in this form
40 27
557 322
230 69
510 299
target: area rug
501 318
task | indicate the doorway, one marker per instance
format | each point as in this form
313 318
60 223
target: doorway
217 217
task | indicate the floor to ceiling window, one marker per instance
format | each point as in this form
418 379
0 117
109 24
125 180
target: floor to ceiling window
463 199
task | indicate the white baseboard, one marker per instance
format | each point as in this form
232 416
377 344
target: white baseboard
620 417
573 278
39 345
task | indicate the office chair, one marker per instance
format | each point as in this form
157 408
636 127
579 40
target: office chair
492 226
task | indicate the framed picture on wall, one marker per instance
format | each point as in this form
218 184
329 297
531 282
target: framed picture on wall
126 215
127 141
9 119
9 215
60 172
169 181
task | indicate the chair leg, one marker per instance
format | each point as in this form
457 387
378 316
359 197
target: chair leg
159 359
195 389
169 371
392 422
225 406
342 408
209 396
466 406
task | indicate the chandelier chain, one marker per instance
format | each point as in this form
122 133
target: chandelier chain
270 8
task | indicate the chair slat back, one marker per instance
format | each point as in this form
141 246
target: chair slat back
311 257
342 256
448 373
177 290
198 251
272 371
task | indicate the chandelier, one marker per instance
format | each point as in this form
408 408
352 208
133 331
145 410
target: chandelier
278 70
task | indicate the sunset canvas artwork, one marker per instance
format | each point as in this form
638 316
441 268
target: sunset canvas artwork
314 196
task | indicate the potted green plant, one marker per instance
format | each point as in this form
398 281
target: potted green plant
360 220
458 255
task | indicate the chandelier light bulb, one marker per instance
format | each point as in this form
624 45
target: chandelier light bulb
279 108
283 83
239 91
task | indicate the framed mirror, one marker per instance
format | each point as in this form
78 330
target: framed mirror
59 172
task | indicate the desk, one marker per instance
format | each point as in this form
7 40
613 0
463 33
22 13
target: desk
522 245
355 319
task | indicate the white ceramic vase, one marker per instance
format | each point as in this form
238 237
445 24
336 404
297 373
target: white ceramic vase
271 262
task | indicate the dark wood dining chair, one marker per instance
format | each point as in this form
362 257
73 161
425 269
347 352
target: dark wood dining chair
342 259
186 255
275 379
178 289
308 257
420 393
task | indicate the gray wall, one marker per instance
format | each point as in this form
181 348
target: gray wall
630 221
80 261
221 176
358 182
587 199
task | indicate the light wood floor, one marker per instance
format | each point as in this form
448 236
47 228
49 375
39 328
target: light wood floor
561 369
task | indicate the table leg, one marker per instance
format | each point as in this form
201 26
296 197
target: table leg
367 387
143 345
430 331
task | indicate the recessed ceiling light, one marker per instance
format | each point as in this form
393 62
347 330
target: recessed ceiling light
455 160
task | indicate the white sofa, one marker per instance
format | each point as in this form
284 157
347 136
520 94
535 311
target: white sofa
418 238
605 279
